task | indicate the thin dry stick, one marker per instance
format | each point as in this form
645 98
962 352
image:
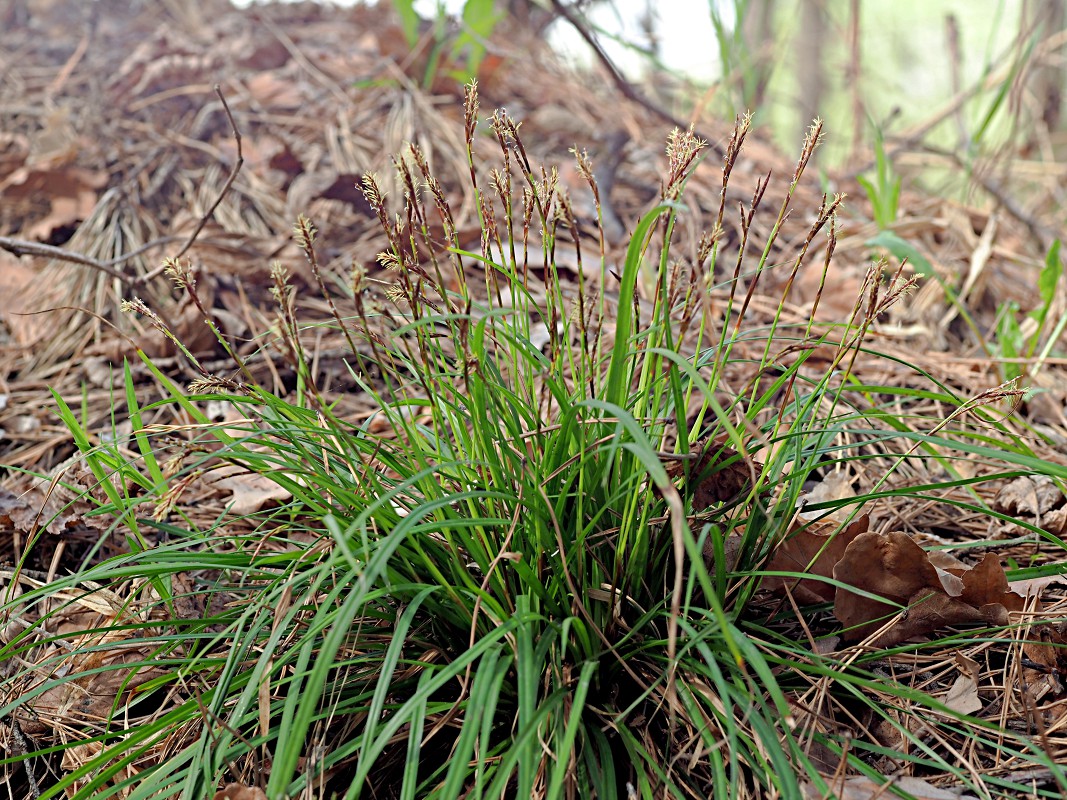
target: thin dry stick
23 247
855 73
305 63
225 190
955 63
83 46
1044 235
623 85
20 745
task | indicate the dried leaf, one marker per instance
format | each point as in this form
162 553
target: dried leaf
859 787
88 696
250 491
814 549
71 193
985 583
718 475
837 485
238 791
889 565
1046 650
1032 587
895 568
1036 498
57 507
1029 495
962 696
269 89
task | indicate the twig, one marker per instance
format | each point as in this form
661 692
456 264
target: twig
23 247
855 74
225 190
955 62
1040 232
304 61
623 85
21 747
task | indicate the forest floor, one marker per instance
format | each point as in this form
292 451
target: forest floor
116 150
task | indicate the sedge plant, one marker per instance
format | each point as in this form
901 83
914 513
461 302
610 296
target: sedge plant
526 572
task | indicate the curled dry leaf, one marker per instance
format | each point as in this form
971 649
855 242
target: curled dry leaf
1045 651
895 568
1033 587
985 584
238 791
58 506
815 550
719 474
69 191
860 787
98 683
1035 498
250 492
1030 495
835 486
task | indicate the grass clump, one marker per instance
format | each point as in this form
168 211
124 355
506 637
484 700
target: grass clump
531 571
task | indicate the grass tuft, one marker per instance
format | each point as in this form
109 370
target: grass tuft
532 570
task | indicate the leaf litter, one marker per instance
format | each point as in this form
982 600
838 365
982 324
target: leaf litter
155 77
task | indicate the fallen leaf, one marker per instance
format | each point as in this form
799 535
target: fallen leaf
815 550
889 565
250 491
1032 587
860 787
1030 495
837 485
1045 648
270 90
718 475
893 567
98 683
238 791
1036 498
57 506
71 193
985 583
962 696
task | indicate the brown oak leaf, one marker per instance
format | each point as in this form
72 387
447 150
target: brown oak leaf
718 475
814 549
893 567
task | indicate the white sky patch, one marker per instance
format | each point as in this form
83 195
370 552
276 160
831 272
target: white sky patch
686 36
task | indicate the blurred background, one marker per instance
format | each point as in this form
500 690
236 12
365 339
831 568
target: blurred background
965 75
